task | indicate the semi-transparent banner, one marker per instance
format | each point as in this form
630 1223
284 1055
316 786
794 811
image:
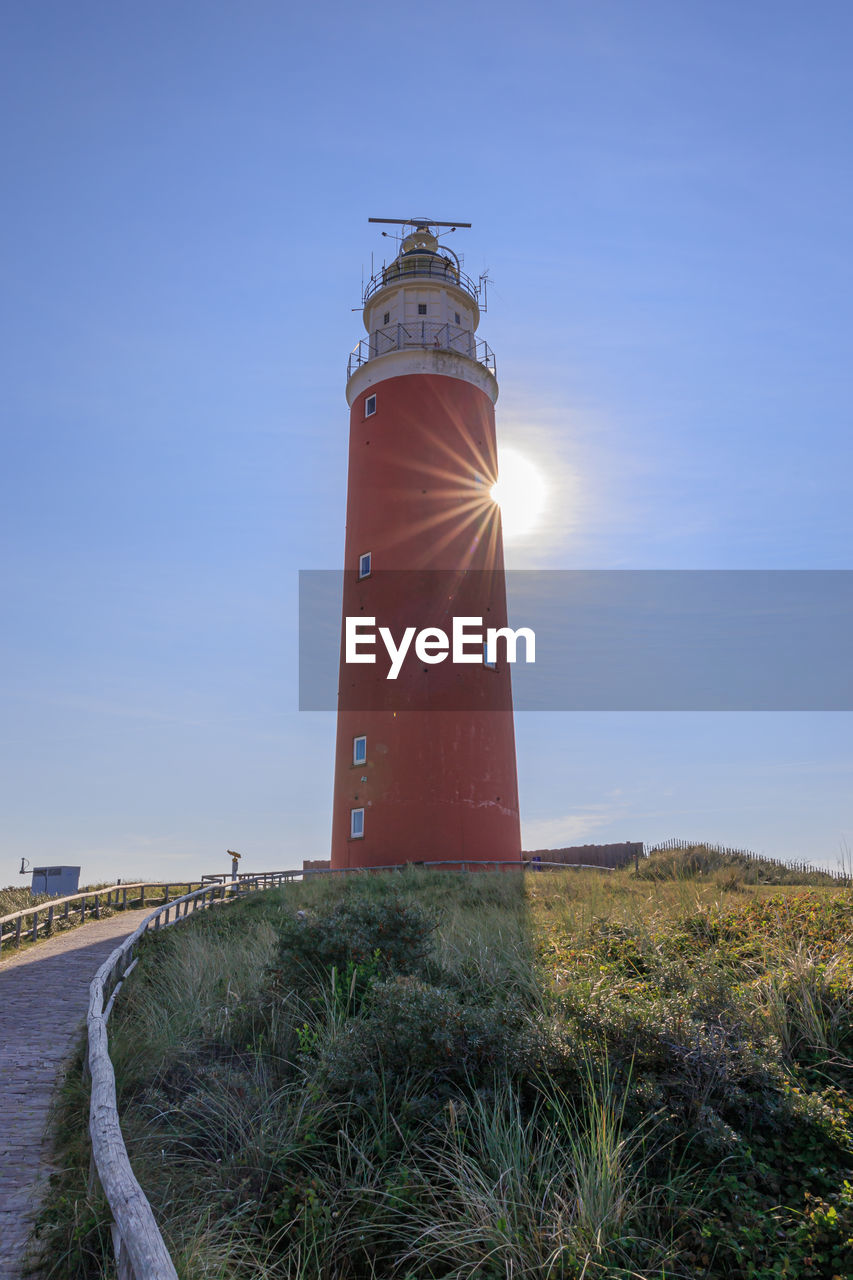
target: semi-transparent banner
574 640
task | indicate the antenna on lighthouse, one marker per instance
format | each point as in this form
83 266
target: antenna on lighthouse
419 222
484 281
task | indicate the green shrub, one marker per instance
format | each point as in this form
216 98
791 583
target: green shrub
413 1031
390 932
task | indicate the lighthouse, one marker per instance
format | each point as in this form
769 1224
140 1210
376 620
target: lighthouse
425 766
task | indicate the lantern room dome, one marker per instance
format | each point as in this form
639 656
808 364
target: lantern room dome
419 240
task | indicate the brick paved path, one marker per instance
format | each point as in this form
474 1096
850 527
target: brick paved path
44 995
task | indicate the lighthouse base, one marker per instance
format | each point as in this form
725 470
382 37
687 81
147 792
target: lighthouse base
436 786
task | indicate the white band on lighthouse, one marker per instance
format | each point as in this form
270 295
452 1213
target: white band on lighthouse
397 364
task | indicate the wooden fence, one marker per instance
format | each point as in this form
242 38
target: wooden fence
140 1251
75 909
805 868
609 856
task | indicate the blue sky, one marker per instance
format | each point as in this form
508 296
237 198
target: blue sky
661 193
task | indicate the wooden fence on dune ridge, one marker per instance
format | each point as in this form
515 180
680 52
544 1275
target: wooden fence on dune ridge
804 868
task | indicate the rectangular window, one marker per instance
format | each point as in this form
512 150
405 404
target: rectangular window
458 321
387 319
359 750
493 666
364 565
356 824
422 308
369 406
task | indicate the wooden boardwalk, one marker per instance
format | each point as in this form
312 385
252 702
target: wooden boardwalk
44 994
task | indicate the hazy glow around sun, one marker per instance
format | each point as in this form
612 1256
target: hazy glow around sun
520 492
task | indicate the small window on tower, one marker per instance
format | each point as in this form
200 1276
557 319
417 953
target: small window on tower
421 308
369 406
356 824
364 565
359 750
458 321
387 318
493 666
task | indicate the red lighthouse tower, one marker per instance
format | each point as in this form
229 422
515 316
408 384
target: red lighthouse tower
425 767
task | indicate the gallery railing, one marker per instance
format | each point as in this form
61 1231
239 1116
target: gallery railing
426 334
418 266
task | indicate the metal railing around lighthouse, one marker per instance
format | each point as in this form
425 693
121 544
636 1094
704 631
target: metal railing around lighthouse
427 334
426 265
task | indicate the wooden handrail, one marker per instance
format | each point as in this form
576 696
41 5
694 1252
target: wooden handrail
102 897
90 893
141 1253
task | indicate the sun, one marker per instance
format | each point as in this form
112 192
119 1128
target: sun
520 492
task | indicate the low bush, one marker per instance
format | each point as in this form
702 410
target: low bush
415 1036
387 934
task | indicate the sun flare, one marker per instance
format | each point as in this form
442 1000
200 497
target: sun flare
520 492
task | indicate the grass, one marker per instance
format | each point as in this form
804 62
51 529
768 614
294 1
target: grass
736 866
14 898
430 1076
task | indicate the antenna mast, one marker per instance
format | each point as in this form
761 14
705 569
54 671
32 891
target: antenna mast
419 222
